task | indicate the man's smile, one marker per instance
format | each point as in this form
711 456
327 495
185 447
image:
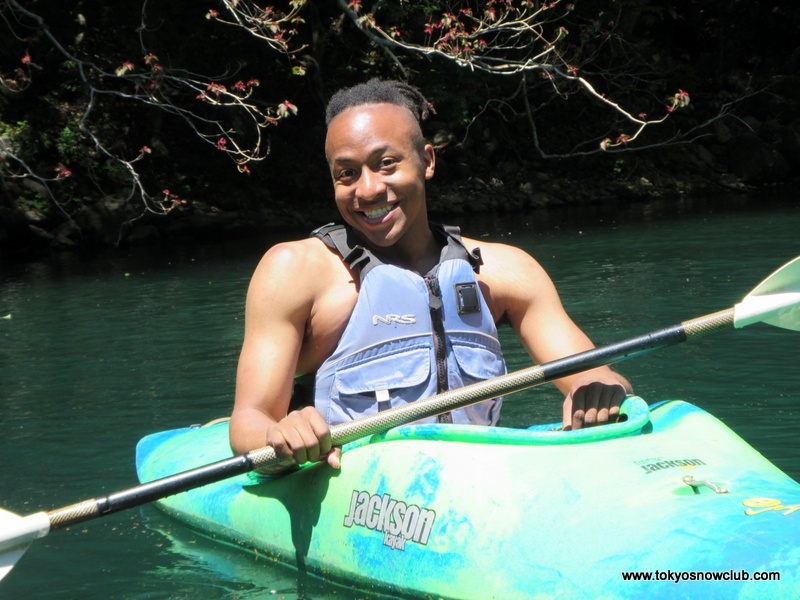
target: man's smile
379 213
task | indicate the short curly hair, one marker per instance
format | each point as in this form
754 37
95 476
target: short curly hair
378 91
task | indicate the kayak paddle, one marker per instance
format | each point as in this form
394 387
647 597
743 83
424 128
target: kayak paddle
775 301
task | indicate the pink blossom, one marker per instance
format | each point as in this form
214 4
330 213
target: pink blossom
215 88
62 171
286 109
124 68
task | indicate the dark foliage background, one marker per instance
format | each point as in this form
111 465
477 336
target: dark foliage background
638 52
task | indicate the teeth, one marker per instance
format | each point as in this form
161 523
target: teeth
378 212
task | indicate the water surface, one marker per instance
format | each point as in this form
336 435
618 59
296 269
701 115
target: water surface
97 353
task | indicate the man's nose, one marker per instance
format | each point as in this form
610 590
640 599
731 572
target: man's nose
370 186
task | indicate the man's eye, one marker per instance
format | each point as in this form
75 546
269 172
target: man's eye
388 162
345 174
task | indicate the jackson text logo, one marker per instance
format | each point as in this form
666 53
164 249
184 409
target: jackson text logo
657 464
399 522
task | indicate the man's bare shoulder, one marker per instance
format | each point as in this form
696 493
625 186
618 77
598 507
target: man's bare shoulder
301 269
289 254
304 259
505 262
515 285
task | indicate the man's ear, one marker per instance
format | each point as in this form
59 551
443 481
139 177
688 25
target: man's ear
429 157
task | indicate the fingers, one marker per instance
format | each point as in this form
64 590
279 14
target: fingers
595 403
568 411
335 458
302 436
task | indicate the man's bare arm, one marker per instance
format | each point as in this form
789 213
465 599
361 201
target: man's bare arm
279 303
521 291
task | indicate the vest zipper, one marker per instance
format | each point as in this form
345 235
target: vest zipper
440 348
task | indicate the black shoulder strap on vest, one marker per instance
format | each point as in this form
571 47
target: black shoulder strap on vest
342 240
359 260
455 247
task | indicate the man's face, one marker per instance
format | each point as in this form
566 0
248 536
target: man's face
379 164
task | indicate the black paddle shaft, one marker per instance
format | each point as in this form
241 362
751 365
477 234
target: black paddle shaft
372 424
150 492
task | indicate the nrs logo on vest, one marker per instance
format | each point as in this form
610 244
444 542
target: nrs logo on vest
398 319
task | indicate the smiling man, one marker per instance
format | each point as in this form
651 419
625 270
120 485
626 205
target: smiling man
388 308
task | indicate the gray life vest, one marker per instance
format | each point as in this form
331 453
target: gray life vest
409 337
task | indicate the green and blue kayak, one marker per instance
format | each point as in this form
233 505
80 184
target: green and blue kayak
667 503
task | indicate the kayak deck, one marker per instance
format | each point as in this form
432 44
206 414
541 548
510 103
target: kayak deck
477 512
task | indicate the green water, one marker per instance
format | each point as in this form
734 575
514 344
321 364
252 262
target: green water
98 353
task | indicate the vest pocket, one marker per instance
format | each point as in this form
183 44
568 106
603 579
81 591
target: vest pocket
403 373
476 362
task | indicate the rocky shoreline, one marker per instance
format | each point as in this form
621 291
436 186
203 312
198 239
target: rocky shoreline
767 156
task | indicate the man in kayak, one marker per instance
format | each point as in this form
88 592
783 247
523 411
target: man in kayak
390 308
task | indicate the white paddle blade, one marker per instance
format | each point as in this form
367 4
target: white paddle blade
16 534
10 557
775 301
